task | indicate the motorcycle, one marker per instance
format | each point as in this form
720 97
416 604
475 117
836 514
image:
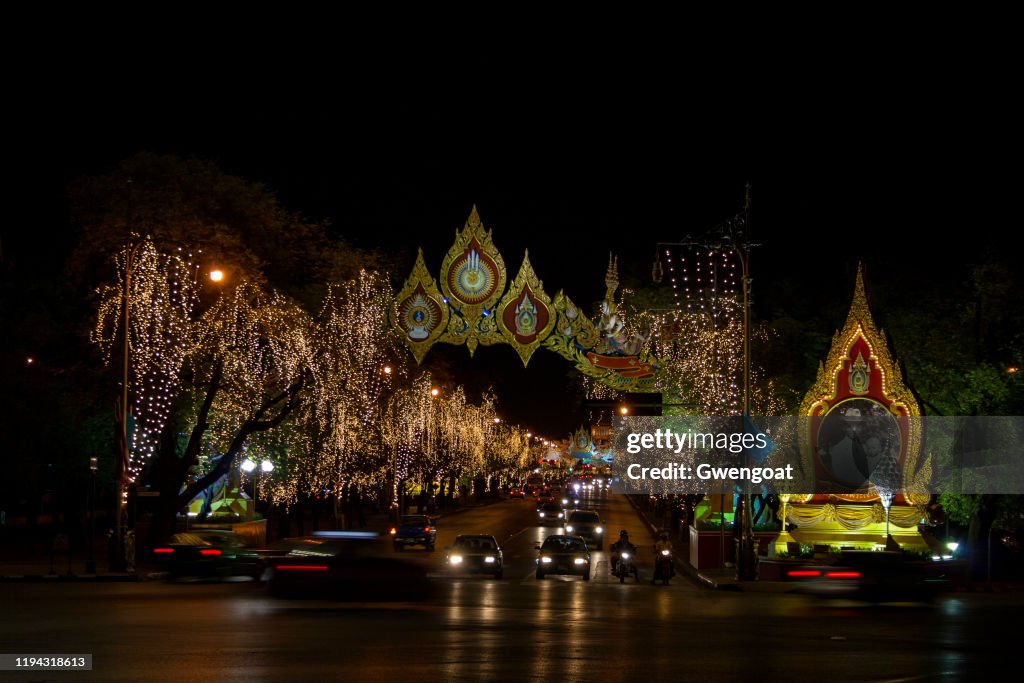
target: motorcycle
664 568
624 566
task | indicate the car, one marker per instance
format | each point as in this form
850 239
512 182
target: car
517 493
873 576
562 554
475 554
550 513
587 525
208 553
414 530
570 500
348 565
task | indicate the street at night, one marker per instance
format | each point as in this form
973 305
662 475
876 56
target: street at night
599 381
516 628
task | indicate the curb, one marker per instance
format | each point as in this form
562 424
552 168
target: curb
73 578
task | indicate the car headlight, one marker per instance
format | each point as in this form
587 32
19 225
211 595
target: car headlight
579 560
559 515
542 514
565 501
665 552
545 560
490 560
598 530
625 556
455 559
569 529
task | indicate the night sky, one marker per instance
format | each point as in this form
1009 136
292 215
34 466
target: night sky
832 183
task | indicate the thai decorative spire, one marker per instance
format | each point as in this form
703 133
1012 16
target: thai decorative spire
611 278
468 304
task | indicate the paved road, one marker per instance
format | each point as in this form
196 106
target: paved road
515 629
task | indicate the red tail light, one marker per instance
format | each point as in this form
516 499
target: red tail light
842 575
394 531
426 529
302 567
799 573
209 551
163 551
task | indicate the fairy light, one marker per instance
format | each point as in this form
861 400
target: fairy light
361 414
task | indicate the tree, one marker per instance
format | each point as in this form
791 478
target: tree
957 350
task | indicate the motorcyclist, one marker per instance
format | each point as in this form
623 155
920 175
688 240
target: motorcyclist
660 544
622 545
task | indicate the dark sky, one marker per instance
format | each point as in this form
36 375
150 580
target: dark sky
835 179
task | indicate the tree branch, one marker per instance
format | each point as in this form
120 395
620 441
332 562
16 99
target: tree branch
253 424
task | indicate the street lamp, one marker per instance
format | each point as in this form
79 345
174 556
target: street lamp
90 564
124 551
737 233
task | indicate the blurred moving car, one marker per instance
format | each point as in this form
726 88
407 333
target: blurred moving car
344 565
414 530
550 513
563 555
872 576
587 525
209 553
475 554
517 493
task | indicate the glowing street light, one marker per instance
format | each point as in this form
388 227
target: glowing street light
248 465
267 466
435 391
624 410
387 369
216 275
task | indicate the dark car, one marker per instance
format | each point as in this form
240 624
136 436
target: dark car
586 524
517 493
871 576
414 530
550 513
208 553
349 565
475 554
563 555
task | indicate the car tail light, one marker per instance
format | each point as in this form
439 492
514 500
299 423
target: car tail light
302 567
426 529
209 552
163 551
394 531
842 575
800 573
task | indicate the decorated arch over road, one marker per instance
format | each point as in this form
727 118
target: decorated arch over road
473 306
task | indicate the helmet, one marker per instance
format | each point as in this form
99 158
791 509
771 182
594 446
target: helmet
623 534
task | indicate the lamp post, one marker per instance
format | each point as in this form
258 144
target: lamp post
746 563
90 564
736 233
121 464
123 556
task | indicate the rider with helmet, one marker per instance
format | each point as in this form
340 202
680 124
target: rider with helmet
622 545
